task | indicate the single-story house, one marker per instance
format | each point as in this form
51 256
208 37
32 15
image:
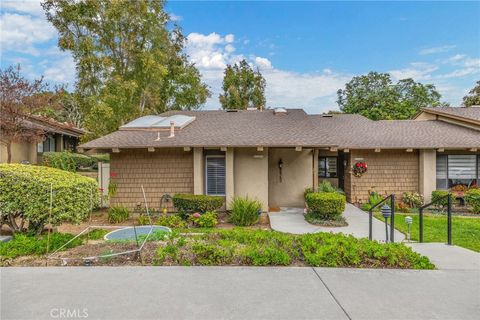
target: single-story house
274 154
57 136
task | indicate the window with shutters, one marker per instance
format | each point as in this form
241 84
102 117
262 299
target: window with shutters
457 169
215 175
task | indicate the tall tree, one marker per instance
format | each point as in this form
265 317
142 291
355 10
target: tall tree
129 61
19 99
473 96
242 87
375 96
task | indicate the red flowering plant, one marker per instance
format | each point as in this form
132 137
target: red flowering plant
359 168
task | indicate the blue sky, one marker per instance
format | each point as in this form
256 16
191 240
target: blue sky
306 50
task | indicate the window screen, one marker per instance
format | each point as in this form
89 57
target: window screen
215 175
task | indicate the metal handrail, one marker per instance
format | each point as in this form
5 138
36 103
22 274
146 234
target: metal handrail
449 217
392 219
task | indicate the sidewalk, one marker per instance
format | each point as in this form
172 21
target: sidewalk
238 293
291 220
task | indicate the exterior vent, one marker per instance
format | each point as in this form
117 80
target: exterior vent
280 111
231 110
327 115
252 109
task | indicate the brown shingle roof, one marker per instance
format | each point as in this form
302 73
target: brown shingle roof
296 128
467 113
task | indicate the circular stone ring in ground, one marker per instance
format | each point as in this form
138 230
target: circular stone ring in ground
129 232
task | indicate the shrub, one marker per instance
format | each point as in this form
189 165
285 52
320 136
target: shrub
173 221
22 245
143 220
244 211
117 214
67 161
197 202
307 191
326 186
440 200
326 205
206 220
101 157
25 196
472 198
412 199
373 199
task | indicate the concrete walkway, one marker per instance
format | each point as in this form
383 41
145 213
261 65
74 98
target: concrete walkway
237 293
447 257
291 220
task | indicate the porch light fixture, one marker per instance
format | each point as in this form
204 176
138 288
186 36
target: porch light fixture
408 221
386 213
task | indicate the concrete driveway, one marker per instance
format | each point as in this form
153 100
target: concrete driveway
237 293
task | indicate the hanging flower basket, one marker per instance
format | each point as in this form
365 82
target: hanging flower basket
359 168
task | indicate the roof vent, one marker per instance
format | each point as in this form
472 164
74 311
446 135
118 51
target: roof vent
252 109
327 115
280 111
231 110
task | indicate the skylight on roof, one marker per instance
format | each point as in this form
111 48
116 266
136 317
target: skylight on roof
157 122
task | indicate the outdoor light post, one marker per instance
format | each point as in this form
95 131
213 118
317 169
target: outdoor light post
386 213
408 221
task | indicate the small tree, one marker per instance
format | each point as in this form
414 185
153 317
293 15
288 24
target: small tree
20 98
242 87
473 96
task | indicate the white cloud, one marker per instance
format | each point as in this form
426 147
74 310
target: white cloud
416 71
459 73
174 17
229 38
21 32
30 7
434 50
263 63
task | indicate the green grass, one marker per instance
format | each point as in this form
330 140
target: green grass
465 230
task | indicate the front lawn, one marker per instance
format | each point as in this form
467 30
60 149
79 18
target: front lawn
465 230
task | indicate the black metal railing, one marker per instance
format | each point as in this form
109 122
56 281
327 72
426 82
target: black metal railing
392 218
449 217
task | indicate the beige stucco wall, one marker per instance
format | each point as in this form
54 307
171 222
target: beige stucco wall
20 151
389 171
427 173
198 171
251 174
296 176
163 171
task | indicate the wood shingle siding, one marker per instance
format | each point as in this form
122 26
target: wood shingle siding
160 172
389 171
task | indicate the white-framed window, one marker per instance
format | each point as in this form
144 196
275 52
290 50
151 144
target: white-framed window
215 175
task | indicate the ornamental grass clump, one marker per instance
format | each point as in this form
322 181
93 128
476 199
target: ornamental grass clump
245 211
25 197
118 214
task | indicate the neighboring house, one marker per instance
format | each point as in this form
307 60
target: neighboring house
467 116
273 155
58 136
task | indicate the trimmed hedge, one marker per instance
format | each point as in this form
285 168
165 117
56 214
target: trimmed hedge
472 198
67 161
197 202
25 196
326 205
